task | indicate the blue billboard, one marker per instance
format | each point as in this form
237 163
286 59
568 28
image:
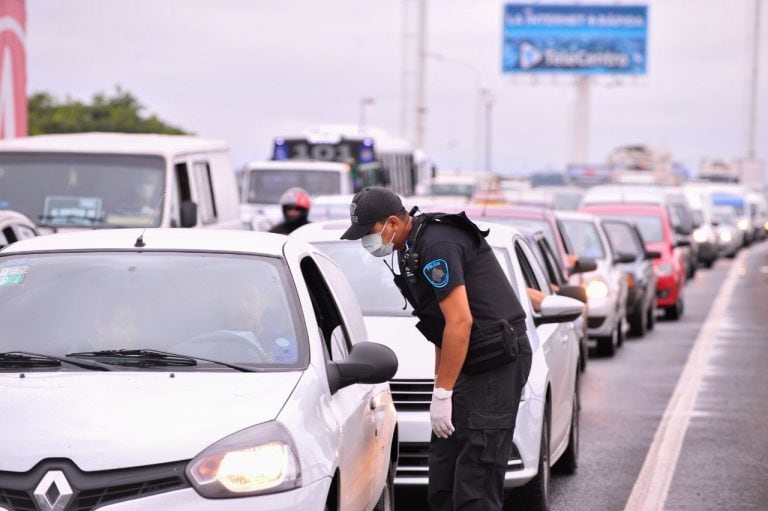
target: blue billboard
575 39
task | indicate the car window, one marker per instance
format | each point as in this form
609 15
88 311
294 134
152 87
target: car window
534 276
232 308
551 264
623 238
530 224
584 238
369 277
650 226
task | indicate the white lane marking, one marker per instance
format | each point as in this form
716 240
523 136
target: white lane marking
652 485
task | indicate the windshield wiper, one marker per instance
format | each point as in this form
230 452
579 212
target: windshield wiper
24 360
151 358
69 220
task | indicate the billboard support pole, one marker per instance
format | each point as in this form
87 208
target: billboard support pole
580 149
754 82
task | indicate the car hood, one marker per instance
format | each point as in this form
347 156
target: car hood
415 355
120 419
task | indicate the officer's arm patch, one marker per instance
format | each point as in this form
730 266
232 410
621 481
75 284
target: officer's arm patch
436 273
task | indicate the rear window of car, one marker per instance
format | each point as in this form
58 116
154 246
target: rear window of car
229 308
650 226
584 238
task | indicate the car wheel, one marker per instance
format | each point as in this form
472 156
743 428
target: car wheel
583 354
652 316
620 333
569 461
638 325
387 498
675 311
606 346
535 494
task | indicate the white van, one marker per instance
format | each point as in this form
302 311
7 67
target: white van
265 181
108 180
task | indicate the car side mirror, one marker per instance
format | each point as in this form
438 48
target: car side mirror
624 258
715 223
683 242
652 254
368 362
584 265
188 213
575 292
558 309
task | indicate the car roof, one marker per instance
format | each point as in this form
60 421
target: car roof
507 211
113 143
622 208
204 240
331 230
297 165
575 215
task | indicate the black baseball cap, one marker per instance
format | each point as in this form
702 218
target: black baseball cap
369 206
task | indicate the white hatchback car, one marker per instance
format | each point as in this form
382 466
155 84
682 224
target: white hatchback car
187 370
607 285
547 427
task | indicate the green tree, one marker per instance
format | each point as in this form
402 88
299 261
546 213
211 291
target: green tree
121 112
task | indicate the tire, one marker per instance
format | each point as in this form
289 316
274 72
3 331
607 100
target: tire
675 312
534 496
569 461
652 315
638 325
583 354
387 498
620 333
606 346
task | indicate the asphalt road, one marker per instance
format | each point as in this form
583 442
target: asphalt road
723 444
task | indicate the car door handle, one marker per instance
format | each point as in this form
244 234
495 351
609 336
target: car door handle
372 403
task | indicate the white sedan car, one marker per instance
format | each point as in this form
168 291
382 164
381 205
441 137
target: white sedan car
606 286
188 370
547 419
14 227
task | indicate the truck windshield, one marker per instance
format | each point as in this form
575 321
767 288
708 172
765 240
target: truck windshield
83 190
266 186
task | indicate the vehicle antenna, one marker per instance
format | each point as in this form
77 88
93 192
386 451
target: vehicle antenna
140 240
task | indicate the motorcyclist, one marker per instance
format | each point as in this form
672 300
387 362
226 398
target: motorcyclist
295 202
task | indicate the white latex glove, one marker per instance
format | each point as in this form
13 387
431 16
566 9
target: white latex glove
440 413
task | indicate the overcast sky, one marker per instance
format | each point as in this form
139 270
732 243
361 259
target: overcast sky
246 71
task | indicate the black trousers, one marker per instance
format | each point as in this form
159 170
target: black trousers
466 470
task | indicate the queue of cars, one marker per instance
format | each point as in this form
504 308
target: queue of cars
300 410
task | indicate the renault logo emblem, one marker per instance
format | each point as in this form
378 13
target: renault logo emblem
53 493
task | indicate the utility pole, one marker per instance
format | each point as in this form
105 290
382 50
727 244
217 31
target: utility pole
580 150
754 82
421 106
361 125
487 96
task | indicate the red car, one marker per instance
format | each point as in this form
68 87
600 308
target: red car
656 227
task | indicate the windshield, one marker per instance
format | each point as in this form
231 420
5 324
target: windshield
724 215
97 190
369 277
227 308
584 238
734 201
266 186
651 228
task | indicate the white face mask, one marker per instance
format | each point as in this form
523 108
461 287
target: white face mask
376 246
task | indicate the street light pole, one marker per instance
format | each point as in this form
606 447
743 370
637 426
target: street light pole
361 127
477 96
488 99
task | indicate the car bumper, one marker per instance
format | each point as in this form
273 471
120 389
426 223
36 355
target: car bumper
666 291
415 432
602 317
312 497
708 252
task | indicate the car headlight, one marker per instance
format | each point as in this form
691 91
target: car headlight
663 269
700 236
597 289
742 224
725 236
257 460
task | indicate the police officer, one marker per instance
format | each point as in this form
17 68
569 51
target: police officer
468 310
295 202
